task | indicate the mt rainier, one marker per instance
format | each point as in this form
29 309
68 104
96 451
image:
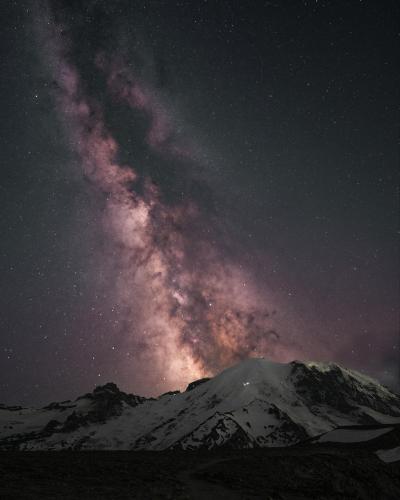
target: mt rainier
256 403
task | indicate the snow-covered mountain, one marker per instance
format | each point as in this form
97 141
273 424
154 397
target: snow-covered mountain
256 403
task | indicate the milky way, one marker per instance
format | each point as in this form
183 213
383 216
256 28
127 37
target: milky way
188 309
187 184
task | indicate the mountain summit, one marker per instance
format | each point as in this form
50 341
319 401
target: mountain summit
256 403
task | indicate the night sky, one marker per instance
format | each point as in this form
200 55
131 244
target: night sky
187 184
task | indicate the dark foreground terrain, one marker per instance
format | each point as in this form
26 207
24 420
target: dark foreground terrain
307 472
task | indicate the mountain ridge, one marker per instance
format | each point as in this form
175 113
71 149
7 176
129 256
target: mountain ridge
256 403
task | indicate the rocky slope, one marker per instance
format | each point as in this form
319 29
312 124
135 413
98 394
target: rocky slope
256 403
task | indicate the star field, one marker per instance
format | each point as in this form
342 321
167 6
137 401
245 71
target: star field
186 184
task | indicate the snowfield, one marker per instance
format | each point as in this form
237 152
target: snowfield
352 435
390 455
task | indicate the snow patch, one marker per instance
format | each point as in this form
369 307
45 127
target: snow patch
391 455
352 435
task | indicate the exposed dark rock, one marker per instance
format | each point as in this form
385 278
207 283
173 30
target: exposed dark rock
196 383
51 426
59 406
333 388
169 393
213 402
11 408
